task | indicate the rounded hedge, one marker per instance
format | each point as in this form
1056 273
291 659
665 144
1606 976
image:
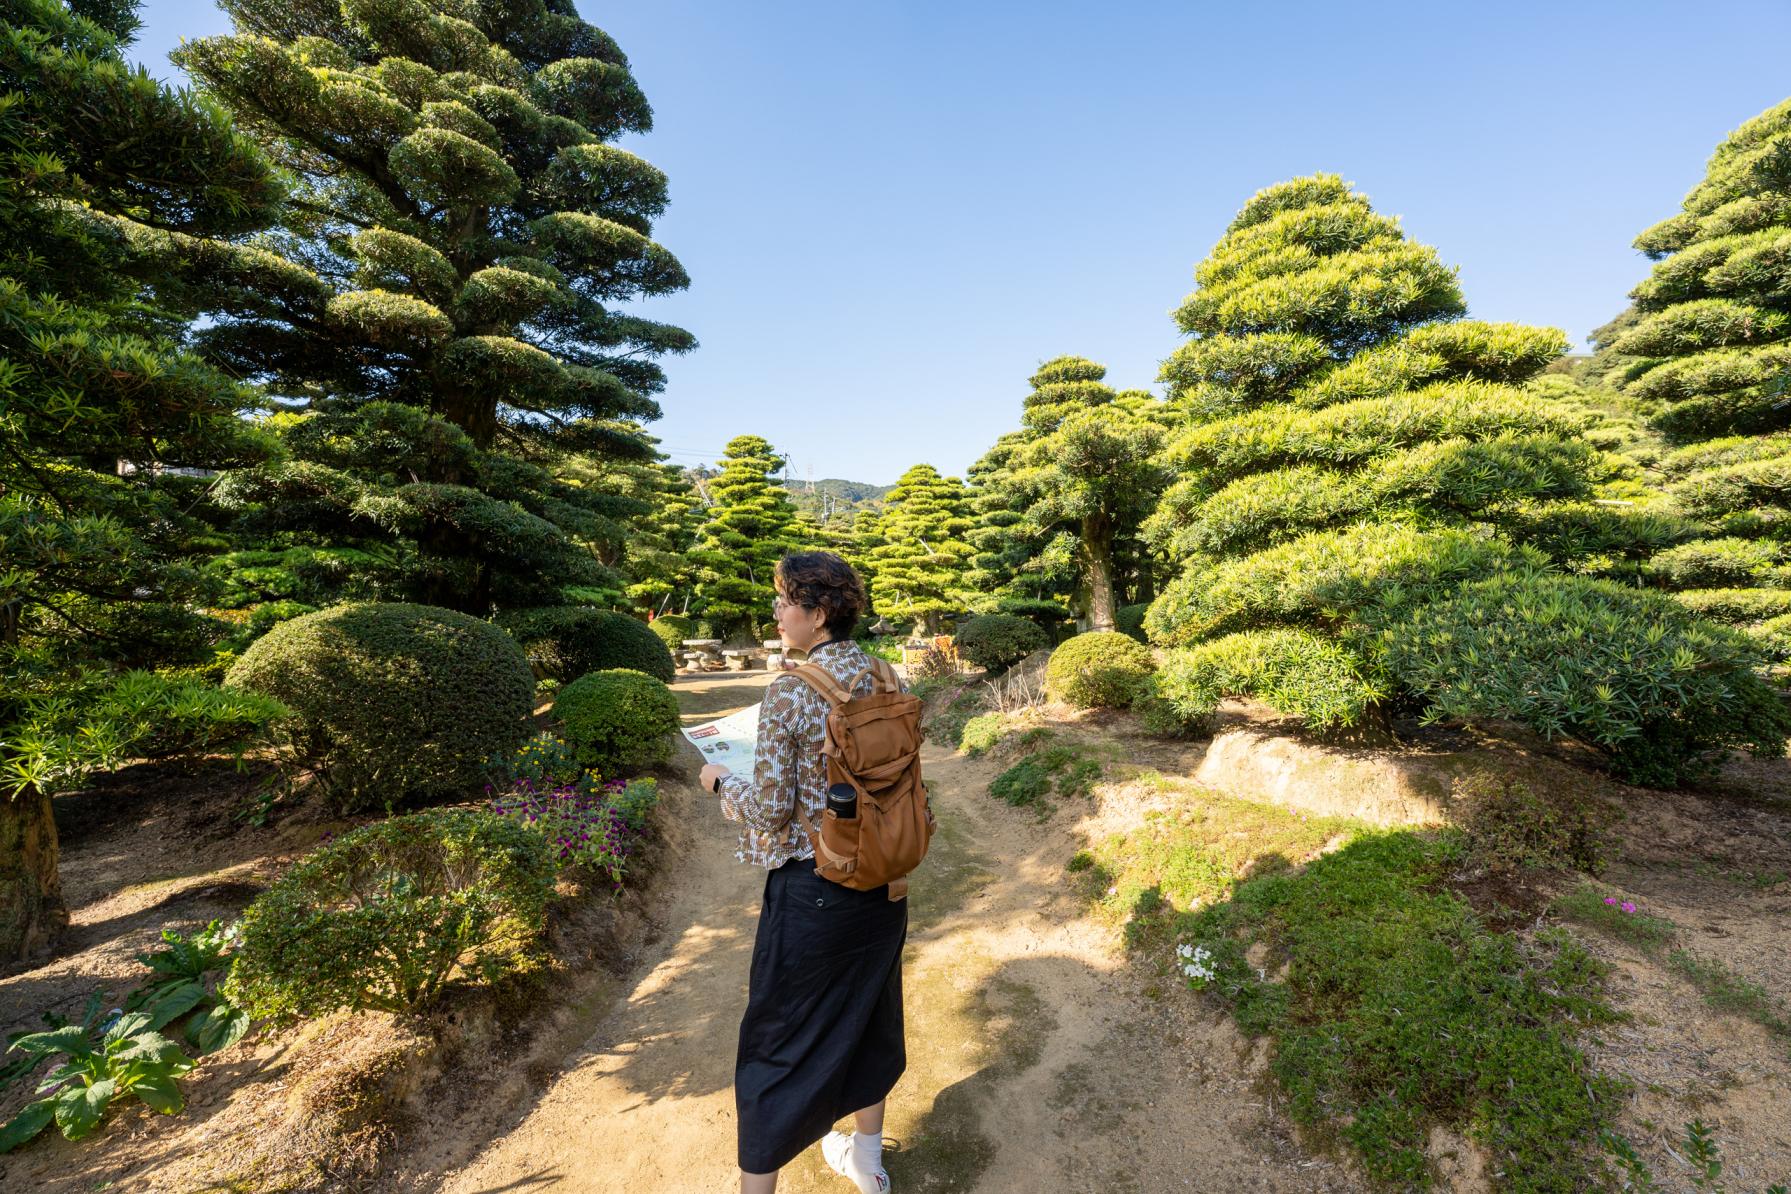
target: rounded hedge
381 917
617 720
672 630
566 641
393 700
996 642
1103 669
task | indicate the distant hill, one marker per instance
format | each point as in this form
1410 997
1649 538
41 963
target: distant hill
831 495
834 496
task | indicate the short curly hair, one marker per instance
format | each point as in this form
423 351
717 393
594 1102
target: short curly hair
821 580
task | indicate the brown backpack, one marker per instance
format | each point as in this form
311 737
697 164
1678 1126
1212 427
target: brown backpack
873 744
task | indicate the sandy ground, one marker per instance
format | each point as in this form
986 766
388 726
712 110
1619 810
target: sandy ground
1035 1062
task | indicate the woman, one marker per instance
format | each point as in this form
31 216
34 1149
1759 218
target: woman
822 1035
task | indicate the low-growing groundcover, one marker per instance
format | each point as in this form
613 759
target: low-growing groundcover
1393 1007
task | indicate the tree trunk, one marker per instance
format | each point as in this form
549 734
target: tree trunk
32 913
1097 543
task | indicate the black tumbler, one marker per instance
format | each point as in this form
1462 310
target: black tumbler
842 800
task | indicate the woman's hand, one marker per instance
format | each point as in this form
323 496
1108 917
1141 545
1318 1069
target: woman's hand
710 773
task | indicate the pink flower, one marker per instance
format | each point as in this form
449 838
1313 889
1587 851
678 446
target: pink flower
1628 907
1611 900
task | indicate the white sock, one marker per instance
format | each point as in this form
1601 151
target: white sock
868 1150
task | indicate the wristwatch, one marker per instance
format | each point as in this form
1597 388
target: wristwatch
715 790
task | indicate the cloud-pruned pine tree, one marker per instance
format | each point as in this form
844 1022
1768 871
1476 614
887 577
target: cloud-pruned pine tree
655 530
462 241
1012 570
918 552
1076 480
1705 351
97 405
750 524
1357 454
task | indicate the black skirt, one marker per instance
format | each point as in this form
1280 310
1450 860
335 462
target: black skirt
822 1035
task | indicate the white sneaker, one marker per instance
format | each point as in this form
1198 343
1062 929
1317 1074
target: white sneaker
842 1158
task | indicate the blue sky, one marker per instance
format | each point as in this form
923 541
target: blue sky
891 213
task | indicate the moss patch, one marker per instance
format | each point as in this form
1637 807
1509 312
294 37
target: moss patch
1393 1007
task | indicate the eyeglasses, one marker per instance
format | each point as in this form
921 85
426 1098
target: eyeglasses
779 605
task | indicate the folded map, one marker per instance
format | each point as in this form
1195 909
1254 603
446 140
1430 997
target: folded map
729 741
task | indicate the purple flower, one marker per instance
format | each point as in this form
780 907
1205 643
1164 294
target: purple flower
1611 901
1628 907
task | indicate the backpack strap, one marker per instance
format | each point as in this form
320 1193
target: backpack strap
818 678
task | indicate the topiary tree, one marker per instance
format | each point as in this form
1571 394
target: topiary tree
1059 503
1705 352
348 476
918 552
996 642
1090 470
750 526
100 410
383 916
618 720
460 237
565 642
1356 455
1350 440
1100 669
394 701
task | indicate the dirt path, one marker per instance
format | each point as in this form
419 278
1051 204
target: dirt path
1035 1063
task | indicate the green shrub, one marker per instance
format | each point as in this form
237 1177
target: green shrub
981 733
382 916
888 649
618 720
565 642
1129 620
1627 671
1045 613
393 700
1103 669
1323 682
1737 606
1163 718
946 727
100 722
672 630
996 642
1065 768
1026 782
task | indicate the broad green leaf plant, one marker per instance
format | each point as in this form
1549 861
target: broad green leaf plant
131 1058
